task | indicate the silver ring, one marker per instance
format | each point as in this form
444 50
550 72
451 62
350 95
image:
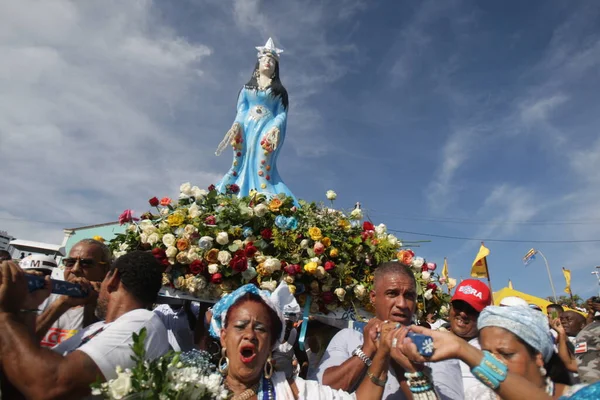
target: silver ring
394 342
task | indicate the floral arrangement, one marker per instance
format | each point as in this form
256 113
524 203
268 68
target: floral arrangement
211 243
184 376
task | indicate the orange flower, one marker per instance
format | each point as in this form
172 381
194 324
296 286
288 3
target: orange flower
182 244
333 253
406 257
165 201
275 204
326 241
212 256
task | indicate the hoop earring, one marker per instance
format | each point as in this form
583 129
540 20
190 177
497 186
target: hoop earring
268 369
223 365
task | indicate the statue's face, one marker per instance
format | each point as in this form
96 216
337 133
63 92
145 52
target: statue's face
266 65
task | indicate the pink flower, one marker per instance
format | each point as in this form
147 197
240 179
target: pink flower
329 265
126 217
210 220
292 269
431 266
319 248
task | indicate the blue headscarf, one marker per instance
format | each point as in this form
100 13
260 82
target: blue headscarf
527 324
276 301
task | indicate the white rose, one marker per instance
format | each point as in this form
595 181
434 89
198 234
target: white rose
224 257
340 293
163 225
190 230
153 238
331 195
222 238
165 211
194 211
272 264
360 291
186 189
168 239
198 193
451 283
205 242
268 285
121 386
380 229
261 210
148 230
260 258
426 276
418 262
171 251
304 244
192 254
393 240
132 228
143 238
249 274
213 268
238 243
356 214
118 254
428 294
320 272
444 310
316 260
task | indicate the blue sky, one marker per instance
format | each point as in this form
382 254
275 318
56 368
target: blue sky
455 118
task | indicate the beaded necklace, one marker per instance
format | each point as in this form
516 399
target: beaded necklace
266 391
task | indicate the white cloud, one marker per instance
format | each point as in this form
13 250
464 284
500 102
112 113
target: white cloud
538 110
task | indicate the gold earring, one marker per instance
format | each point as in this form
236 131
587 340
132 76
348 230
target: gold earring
223 365
268 370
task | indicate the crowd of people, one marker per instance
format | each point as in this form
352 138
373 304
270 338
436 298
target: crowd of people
54 347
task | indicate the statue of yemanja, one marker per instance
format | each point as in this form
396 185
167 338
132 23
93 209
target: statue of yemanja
258 131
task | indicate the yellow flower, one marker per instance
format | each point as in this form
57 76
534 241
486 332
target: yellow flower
175 219
262 270
344 224
98 238
348 280
326 241
315 233
311 267
236 231
212 256
292 289
333 253
275 204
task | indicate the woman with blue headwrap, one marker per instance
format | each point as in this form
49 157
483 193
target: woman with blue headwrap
249 323
515 346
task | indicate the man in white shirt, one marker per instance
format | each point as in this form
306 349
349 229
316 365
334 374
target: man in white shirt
345 361
61 316
470 298
129 289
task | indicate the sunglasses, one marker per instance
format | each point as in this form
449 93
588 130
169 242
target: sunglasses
83 262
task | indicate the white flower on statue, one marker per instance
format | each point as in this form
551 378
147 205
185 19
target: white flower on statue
426 276
194 211
163 225
224 257
451 283
331 195
192 254
304 244
205 242
261 210
356 214
418 262
428 294
381 229
340 293
153 238
270 285
198 193
393 240
213 268
168 239
165 211
186 189
222 238
272 264
360 291
121 386
171 251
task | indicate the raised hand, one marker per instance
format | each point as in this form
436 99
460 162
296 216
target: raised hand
13 287
236 129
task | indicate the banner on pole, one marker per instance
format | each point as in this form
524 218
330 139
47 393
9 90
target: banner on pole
529 257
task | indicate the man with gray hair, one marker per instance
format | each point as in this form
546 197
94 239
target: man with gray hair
61 316
348 355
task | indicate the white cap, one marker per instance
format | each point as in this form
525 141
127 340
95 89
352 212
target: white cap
512 301
38 262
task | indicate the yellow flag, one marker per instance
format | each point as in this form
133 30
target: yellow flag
510 286
445 270
479 268
567 274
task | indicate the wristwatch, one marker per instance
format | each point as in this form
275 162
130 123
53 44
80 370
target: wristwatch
362 356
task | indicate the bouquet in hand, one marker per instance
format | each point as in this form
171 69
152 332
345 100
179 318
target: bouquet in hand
173 376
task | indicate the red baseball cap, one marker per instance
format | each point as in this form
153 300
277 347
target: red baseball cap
475 293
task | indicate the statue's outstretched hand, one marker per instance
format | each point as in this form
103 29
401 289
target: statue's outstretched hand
236 129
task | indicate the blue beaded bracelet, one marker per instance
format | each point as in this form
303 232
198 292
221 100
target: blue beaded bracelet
491 371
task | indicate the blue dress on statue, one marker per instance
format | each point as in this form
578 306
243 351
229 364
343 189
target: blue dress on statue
254 164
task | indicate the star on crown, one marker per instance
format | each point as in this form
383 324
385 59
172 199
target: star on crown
269 49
